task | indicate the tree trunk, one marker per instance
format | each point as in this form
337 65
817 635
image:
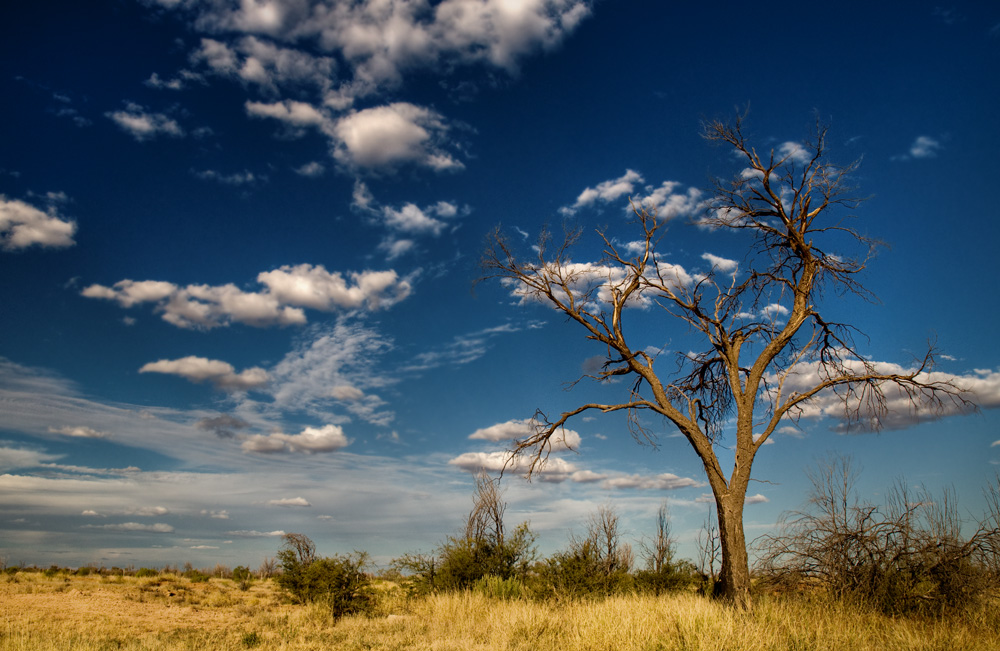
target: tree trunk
734 577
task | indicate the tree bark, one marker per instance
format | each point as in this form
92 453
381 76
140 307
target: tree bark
734 578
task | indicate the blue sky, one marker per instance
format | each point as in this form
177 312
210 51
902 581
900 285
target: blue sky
238 242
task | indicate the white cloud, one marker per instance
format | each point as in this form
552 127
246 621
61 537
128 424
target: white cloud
323 439
564 439
290 501
665 481
142 125
756 499
380 41
22 225
662 200
298 114
347 393
288 289
553 469
311 169
982 387
667 204
313 286
924 147
15 458
596 281
246 177
606 191
252 533
795 152
148 511
159 527
265 65
389 136
221 514
199 369
79 432
720 264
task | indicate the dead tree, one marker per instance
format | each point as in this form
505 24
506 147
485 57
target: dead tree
757 364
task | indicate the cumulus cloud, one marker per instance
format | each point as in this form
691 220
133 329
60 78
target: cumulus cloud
389 136
142 124
553 469
290 501
312 169
323 439
23 225
297 114
922 147
286 291
79 432
720 264
756 499
596 280
664 200
379 41
200 369
982 387
605 192
314 287
564 439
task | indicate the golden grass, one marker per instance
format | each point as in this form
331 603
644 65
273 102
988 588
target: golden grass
93 613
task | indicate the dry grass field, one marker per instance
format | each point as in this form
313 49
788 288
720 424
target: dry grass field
39 613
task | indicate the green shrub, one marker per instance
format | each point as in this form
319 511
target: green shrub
195 576
243 577
496 587
145 572
337 581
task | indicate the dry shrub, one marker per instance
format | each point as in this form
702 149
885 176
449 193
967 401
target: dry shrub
906 556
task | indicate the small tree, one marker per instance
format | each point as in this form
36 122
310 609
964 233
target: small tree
764 350
662 571
596 564
485 548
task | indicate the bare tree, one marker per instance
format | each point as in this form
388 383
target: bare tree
658 551
709 551
485 522
765 351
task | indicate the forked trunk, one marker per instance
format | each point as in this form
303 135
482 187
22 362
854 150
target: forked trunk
734 577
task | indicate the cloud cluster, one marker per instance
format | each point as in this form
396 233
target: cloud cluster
406 222
564 439
286 291
199 369
141 124
982 387
378 41
665 201
922 147
23 225
312 439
